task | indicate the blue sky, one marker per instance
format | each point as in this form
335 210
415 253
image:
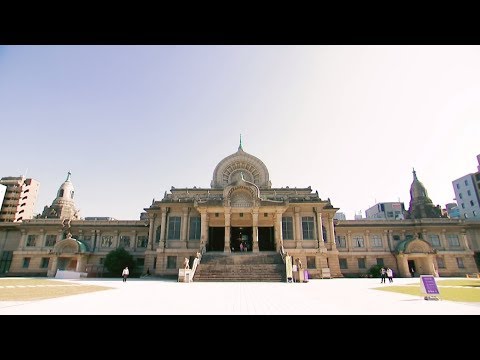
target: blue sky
130 122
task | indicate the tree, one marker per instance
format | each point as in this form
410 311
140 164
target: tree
117 259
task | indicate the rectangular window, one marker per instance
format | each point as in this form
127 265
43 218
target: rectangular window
396 237
441 262
26 262
343 263
311 262
358 242
50 240
287 228
155 262
460 263
44 263
107 241
458 186
142 241
195 222
434 240
341 241
453 240
174 228
171 262
469 193
380 261
466 182
460 195
307 228
376 241
124 241
361 263
31 240
265 214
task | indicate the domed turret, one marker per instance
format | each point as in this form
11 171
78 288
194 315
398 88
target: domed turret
421 206
233 167
63 207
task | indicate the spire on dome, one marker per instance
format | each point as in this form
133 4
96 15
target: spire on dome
240 146
68 176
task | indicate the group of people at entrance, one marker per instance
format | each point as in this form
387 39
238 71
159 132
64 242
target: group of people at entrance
386 273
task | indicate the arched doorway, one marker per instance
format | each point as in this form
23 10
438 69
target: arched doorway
241 239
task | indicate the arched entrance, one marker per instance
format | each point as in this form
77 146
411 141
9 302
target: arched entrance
417 255
241 239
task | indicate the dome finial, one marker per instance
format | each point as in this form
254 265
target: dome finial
240 146
414 174
68 176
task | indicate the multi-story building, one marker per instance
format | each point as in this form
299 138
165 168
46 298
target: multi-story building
20 198
467 190
386 211
241 210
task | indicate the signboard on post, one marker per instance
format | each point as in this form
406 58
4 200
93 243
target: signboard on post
429 287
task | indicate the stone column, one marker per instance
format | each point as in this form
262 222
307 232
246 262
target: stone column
116 239
132 242
463 236
255 230
321 243
278 230
298 227
386 240
184 227
227 246
367 241
21 245
203 230
53 266
349 240
443 239
151 231
41 239
163 228
94 239
331 233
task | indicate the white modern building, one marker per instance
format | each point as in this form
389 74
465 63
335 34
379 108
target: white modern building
386 210
467 190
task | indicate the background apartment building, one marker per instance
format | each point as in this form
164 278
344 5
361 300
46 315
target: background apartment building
467 190
20 198
386 210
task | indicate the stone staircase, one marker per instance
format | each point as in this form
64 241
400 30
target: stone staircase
241 266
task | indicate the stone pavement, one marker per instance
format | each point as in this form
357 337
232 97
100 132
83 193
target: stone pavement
168 297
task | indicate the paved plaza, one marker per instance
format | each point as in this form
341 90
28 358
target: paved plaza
168 297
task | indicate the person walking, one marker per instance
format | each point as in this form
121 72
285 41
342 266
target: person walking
390 275
383 274
125 274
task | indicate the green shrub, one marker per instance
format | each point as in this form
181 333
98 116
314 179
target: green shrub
374 271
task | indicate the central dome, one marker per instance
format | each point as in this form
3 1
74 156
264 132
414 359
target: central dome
231 168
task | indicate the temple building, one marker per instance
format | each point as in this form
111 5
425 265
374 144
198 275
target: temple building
241 213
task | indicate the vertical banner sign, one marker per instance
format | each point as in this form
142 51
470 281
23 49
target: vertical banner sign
288 268
429 286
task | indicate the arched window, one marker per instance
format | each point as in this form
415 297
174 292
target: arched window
60 193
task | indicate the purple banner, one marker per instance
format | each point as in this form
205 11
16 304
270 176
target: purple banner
429 286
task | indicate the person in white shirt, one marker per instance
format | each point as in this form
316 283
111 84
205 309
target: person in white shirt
125 274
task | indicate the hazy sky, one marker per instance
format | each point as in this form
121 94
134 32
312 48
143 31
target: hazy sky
130 122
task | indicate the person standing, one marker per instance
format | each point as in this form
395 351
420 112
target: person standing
383 273
412 271
390 275
125 274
